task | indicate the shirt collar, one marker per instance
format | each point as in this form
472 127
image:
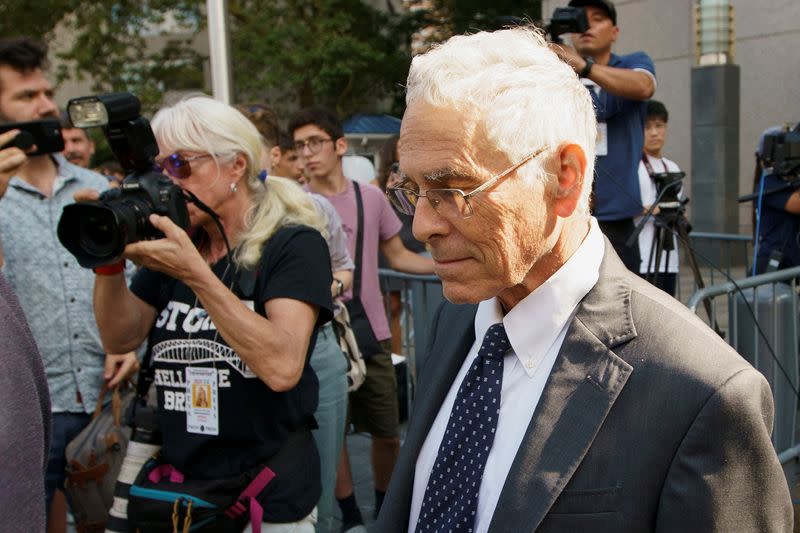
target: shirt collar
66 172
536 322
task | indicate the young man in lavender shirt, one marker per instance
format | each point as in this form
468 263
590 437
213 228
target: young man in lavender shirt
319 140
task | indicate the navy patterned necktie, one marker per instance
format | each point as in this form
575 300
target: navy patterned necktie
451 497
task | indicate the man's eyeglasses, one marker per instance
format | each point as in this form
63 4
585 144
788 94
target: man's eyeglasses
314 144
179 166
450 203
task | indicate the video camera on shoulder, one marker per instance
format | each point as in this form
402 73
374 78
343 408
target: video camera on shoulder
97 232
781 151
668 186
567 20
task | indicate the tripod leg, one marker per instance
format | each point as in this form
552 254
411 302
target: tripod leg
698 279
651 262
659 237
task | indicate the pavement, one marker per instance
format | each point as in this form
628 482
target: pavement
359 447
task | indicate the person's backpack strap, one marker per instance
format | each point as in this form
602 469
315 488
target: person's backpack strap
295 443
249 495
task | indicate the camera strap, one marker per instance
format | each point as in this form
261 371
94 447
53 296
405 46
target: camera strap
190 197
649 166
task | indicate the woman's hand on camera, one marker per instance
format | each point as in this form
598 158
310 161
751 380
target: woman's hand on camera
86 195
174 255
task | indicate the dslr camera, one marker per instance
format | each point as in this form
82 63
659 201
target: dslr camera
97 232
781 151
567 20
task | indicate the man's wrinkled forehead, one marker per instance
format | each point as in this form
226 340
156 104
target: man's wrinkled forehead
431 131
437 142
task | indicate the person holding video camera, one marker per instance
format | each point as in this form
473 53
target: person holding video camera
663 270
619 86
53 291
776 208
235 313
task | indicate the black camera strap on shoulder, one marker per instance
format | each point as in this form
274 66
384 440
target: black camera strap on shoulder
190 197
649 166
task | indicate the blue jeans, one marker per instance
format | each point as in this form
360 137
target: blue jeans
66 427
328 362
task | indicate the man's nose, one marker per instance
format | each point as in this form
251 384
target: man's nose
47 106
428 222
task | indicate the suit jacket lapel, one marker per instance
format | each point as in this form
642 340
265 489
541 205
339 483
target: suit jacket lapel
585 381
455 336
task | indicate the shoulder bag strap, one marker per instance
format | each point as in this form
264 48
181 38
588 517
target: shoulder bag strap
359 241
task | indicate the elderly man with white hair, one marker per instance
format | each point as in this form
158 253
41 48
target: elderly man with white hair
562 392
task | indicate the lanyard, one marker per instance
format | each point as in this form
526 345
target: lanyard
649 167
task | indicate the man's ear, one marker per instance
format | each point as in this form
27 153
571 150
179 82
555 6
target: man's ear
571 174
275 155
341 146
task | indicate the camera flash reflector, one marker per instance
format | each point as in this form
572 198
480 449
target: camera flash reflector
87 113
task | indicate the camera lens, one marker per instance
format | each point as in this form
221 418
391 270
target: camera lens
96 232
99 234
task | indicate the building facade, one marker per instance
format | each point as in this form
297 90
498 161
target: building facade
767 43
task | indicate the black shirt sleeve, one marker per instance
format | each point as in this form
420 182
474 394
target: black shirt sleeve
148 285
296 264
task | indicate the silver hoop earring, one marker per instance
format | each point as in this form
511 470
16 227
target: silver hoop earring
234 188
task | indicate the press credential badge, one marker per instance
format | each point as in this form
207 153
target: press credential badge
202 409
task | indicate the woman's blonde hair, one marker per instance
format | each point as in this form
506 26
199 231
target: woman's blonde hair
285 203
199 123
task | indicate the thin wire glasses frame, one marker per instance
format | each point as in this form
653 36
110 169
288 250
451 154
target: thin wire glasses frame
448 202
314 144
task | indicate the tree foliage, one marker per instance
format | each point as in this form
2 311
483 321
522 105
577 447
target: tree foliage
445 18
33 18
111 46
107 41
340 54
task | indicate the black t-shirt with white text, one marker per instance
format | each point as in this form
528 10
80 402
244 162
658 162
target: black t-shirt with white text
254 420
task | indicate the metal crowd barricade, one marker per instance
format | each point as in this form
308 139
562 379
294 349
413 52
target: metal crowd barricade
420 297
762 325
729 253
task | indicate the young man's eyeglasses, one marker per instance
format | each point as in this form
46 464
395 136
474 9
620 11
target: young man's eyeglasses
179 166
450 203
314 145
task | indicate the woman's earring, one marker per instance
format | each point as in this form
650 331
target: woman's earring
233 187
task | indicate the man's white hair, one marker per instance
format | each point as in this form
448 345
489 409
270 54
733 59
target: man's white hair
520 92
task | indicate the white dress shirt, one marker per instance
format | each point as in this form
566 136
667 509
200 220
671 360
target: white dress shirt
536 328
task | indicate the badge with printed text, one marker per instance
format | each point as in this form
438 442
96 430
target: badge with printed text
202 401
601 148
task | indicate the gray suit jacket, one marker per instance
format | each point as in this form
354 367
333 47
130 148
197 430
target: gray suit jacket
648 422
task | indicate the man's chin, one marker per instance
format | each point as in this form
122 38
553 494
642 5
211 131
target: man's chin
459 293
